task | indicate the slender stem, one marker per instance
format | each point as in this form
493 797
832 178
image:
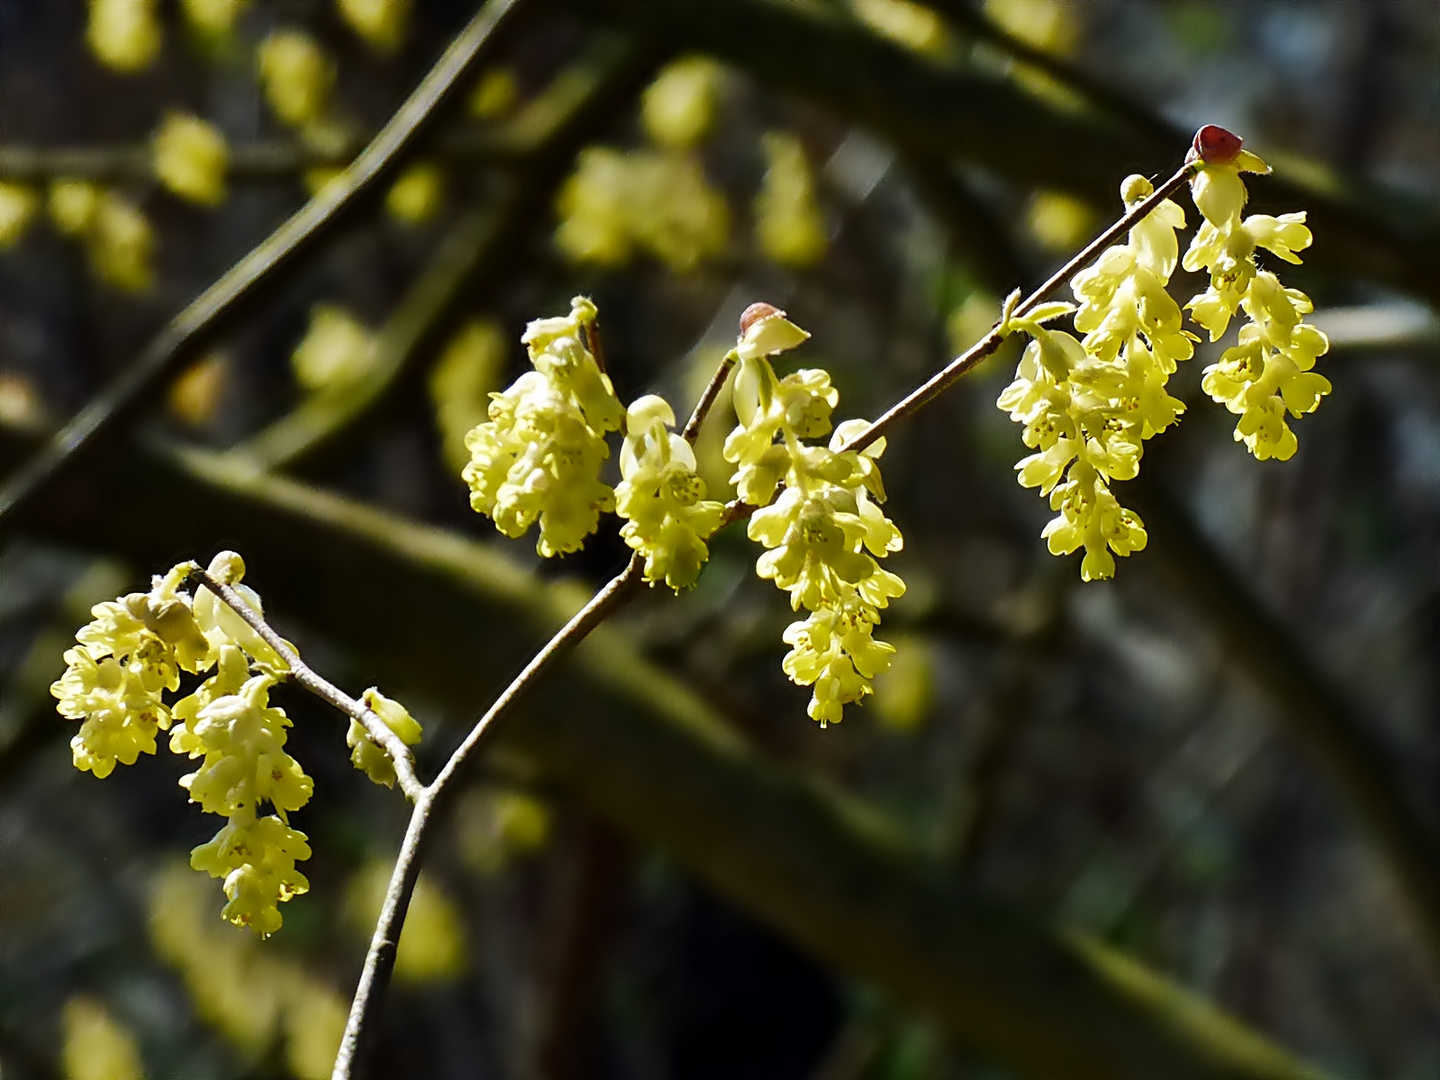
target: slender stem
592 342
380 960
942 380
307 677
132 391
707 399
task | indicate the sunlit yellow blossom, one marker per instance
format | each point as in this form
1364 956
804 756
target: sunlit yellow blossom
380 22
678 108
314 1020
123 34
416 196
1088 405
96 1046
365 754
539 456
337 350
213 17
297 76
825 531
1268 373
255 857
17 208
191 158
667 517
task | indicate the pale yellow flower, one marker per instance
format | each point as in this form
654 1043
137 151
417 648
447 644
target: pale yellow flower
191 158
17 209
124 34
297 76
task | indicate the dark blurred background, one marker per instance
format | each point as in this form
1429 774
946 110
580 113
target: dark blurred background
1224 763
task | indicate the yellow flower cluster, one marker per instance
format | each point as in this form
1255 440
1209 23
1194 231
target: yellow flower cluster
825 531
1087 405
191 158
540 454
116 233
1269 372
368 756
123 34
654 200
662 499
134 650
336 351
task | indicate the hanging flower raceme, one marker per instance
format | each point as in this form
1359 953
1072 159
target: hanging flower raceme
1269 372
539 456
825 530
662 499
1088 404
134 651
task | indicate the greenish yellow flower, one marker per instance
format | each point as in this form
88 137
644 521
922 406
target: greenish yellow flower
788 221
213 17
1269 372
461 383
905 23
365 754
539 456
1088 405
825 531
97 1046
121 243
662 499
123 34
416 196
654 201
678 108
336 351
17 209
191 158
494 95
72 205
255 857
380 22
297 76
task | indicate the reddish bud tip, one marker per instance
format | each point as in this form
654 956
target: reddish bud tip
1214 145
754 313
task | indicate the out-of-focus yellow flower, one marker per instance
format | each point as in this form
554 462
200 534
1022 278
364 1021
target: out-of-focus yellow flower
297 76
123 34
1059 221
314 1024
971 320
496 826
788 222
678 108
321 177
20 404
495 94
213 17
904 23
1045 24
904 694
336 350
17 209
97 1046
191 158
380 22
657 201
432 945
72 205
197 393
416 196
461 383
121 243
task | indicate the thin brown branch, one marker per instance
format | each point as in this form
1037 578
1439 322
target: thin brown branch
712 390
322 688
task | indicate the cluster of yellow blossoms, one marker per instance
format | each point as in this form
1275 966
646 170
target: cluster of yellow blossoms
825 531
115 677
539 457
1089 403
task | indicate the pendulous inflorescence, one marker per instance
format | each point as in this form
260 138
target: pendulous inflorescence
1088 403
116 676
